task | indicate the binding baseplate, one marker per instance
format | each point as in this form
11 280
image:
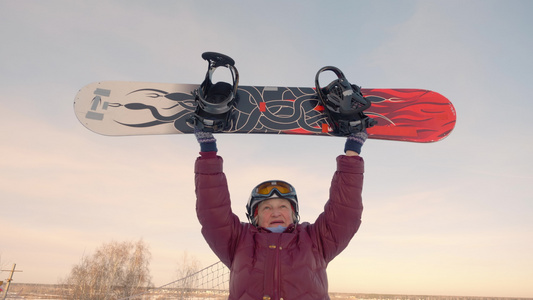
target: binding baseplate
344 104
214 102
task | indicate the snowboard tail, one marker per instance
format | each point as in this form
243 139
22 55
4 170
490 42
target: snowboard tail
136 108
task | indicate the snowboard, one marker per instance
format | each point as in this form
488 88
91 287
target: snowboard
120 108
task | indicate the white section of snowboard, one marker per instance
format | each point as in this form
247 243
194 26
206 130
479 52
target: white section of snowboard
100 107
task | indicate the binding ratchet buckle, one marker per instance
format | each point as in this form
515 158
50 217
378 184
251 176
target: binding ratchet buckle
214 102
344 104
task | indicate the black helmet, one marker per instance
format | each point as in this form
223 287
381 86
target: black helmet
271 189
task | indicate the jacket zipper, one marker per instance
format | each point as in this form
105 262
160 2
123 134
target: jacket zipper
277 271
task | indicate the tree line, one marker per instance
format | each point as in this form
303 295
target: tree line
116 270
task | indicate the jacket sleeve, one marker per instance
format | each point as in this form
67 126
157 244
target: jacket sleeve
220 227
339 222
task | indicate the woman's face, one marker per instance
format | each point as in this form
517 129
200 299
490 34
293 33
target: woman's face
274 212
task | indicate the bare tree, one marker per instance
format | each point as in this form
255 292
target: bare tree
186 272
116 270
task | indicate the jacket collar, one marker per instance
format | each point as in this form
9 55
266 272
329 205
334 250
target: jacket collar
289 229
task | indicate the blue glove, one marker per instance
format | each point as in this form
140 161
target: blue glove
355 141
206 140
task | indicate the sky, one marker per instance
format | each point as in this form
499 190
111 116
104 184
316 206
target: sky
445 218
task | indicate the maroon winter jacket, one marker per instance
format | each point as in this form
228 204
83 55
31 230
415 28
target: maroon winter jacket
289 265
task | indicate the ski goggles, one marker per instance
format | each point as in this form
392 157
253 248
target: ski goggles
270 188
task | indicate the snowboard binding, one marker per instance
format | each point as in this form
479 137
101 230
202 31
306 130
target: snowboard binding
214 102
344 104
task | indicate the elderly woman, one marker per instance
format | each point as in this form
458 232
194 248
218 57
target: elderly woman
274 256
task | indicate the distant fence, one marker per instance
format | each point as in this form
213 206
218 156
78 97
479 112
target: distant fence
211 282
